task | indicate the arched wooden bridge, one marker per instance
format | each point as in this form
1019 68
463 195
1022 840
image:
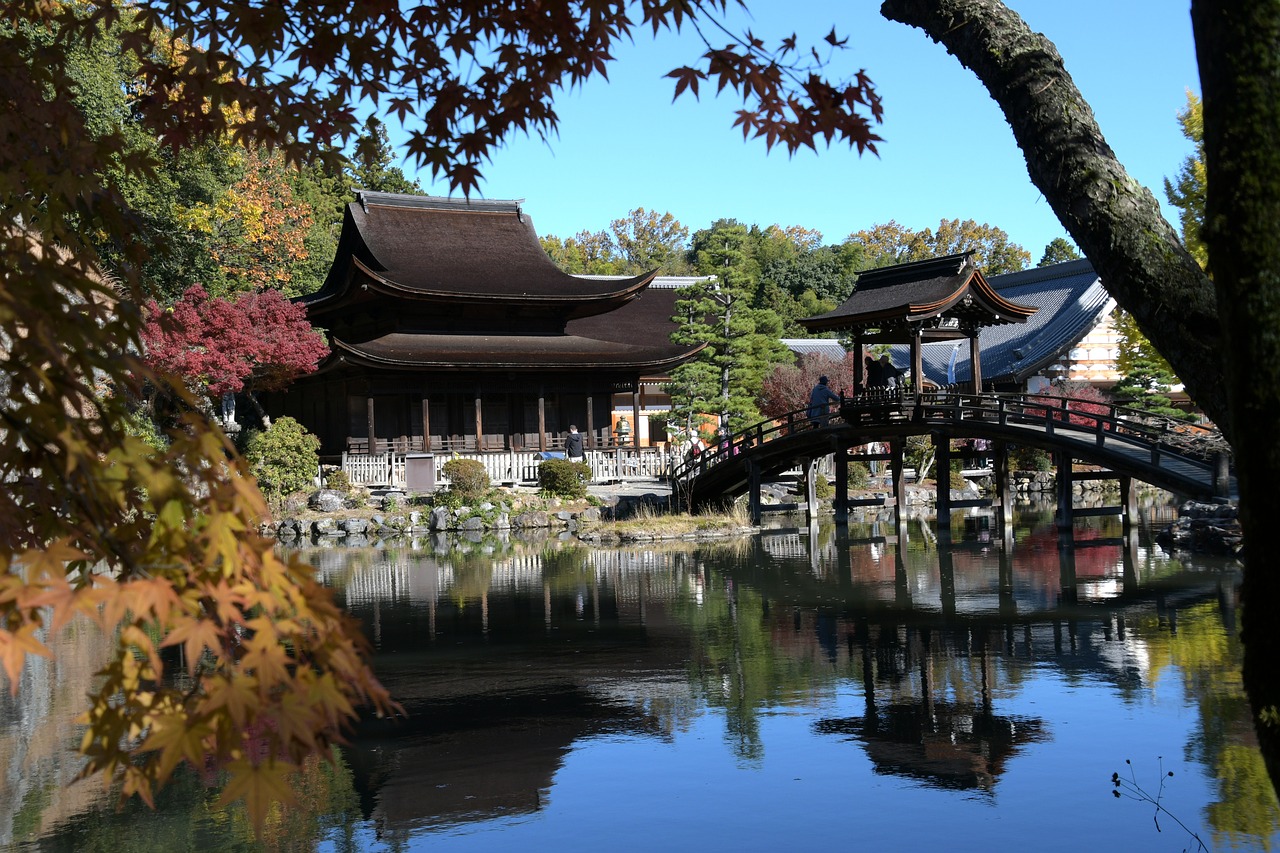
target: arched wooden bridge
1187 459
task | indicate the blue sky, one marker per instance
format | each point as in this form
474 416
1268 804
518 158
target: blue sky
948 152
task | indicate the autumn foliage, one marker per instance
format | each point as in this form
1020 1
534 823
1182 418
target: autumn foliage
257 342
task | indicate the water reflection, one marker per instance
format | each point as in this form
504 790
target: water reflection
556 693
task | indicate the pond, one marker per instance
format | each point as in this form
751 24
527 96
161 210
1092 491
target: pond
835 688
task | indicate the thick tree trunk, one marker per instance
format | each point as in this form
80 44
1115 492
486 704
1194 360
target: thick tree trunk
1238 48
1115 220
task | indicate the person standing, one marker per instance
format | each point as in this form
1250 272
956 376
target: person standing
820 400
573 445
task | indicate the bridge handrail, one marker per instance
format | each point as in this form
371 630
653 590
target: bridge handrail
1195 443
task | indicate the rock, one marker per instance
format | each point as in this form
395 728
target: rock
591 514
290 528
534 518
324 527
353 526
440 519
472 523
326 500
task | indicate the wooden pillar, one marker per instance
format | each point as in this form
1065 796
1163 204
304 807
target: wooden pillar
1128 505
899 486
1067 573
1221 475
811 490
635 417
426 423
542 419
479 420
942 487
591 422
1065 516
917 363
946 576
1004 492
842 484
859 366
975 360
753 491
373 436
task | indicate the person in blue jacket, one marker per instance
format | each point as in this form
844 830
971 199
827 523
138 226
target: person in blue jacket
820 400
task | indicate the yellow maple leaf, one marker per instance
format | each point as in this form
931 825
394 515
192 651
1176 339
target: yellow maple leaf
176 737
14 648
259 785
236 696
196 634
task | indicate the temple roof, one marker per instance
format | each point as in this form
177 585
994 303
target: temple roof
433 249
508 352
939 293
1071 300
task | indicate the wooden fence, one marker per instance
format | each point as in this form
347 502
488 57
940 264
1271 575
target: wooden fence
510 467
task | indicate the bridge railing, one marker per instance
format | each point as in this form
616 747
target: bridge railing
1157 435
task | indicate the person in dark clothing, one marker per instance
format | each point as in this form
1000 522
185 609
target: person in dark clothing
573 445
875 374
889 374
820 400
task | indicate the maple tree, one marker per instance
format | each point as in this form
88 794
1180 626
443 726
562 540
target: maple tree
464 76
256 342
787 388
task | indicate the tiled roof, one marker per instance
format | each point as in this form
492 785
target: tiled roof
509 352
1071 300
950 286
450 249
829 347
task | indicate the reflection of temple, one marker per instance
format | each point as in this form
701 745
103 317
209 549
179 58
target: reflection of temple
473 646
509 661
958 743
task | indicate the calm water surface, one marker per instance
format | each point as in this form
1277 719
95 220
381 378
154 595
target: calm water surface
823 689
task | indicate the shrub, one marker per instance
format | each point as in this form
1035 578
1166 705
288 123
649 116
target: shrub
284 458
1030 459
338 481
468 479
859 476
563 478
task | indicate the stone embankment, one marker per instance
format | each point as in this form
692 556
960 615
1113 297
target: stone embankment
1204 529
335 517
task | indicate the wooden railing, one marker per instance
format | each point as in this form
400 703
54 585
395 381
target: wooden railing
387 469
1156 437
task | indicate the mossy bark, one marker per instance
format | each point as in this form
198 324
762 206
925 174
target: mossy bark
1113 218
1222 336
1238 49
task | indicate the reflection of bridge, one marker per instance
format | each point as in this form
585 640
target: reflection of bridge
1187 459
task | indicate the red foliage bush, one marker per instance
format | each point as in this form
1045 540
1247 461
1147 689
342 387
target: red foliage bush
259 342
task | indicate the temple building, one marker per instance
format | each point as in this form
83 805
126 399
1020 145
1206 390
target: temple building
450 329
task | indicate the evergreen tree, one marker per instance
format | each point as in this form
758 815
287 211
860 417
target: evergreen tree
1147 377
742 342
1059 250
371 163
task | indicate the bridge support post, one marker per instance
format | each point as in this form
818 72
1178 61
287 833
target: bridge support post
942 481
1004 494
899 486
1065 516
1128 506
842 484
810 490
1221 475
753 491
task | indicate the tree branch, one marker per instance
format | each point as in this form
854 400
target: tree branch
1114 219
